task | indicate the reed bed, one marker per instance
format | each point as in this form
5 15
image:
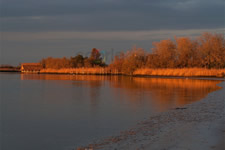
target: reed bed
184 72
98 70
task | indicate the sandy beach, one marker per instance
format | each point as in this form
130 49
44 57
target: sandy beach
196 126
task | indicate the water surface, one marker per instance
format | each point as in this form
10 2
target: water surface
62 112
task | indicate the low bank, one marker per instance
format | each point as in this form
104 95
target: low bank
186 72
9 70
183 72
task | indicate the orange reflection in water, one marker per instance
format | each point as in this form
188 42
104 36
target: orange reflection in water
180 91
62 77
163 93
168 93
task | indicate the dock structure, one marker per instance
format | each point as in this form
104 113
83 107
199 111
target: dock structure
31 67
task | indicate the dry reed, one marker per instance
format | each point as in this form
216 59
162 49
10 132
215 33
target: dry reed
184 72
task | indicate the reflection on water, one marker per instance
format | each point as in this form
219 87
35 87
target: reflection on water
62 112
165 93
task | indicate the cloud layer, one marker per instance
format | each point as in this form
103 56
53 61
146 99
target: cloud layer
31 29
113 15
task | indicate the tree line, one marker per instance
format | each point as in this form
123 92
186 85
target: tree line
206 51
95 60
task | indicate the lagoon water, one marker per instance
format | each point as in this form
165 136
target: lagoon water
62 112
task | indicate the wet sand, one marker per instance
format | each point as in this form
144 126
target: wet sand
196 126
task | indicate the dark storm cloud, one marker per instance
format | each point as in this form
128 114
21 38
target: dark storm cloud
90 15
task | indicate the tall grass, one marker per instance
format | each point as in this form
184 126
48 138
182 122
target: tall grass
96 70
184 72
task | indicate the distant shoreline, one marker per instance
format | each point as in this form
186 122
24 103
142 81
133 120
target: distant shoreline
9 70
145 72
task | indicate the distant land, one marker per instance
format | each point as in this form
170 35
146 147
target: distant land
9 68
182 56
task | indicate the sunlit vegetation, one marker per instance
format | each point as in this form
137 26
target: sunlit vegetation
79 61
181 56
127 63
184 72
207 51
92 70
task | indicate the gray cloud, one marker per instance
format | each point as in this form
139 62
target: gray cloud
33 29
106 35
87 15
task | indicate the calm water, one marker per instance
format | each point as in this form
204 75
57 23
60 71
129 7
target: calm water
61 112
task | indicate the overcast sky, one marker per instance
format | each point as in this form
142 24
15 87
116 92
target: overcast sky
34 29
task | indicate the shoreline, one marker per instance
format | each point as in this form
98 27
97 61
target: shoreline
199 125
98 74
174 72
142 72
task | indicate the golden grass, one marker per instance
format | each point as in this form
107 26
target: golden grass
185 72
97 70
